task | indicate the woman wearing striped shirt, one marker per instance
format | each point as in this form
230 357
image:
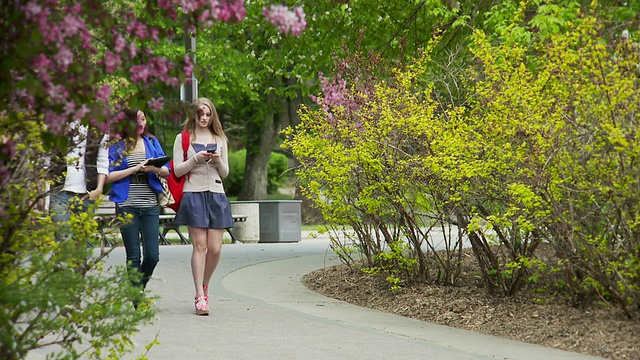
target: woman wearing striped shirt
135 190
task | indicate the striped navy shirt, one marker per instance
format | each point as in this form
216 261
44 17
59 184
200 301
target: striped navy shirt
140 195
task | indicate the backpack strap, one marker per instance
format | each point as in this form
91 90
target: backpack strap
186 139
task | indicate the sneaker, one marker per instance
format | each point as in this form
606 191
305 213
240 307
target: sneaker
140 301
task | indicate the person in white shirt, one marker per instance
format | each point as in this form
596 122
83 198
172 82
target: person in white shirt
87 170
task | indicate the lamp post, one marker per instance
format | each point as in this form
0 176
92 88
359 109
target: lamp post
189 89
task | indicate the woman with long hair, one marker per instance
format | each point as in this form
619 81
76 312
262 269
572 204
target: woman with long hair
204 207
135 188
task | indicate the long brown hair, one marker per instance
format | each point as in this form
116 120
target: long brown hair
215 126
130 128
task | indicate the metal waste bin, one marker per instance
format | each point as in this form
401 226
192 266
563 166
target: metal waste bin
280 220
249 230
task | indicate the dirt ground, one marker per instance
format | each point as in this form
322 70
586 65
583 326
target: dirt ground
595 330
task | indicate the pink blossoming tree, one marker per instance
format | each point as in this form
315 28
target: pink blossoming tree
58 55
63 63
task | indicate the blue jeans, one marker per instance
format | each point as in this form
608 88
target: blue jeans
145 222
63 204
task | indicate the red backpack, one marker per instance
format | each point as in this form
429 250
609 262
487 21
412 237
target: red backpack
176 184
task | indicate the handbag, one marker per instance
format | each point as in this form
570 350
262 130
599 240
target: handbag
175 184
165 198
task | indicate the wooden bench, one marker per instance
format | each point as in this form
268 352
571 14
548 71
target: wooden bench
167 224
106 208
167 215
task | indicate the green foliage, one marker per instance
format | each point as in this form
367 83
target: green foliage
568 143
369 169
233 182
394 281
544 152
277 173
74 301
396 262
251 71
54 290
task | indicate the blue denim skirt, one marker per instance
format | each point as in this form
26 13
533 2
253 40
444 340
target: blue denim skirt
206 210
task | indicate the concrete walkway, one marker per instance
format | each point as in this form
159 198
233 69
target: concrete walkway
260 310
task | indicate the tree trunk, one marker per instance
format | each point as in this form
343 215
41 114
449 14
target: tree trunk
310 214
261 137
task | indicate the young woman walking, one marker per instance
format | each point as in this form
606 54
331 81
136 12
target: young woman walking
135 191
204 207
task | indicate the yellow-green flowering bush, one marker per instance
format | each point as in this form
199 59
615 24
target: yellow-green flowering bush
566 121
545 151
56 293
367 163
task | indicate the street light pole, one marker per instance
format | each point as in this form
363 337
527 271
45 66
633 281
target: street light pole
189 89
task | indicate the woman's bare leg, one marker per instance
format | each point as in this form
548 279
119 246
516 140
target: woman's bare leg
214 246
198 257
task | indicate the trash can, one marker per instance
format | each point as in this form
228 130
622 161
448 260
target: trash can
247 231
280 220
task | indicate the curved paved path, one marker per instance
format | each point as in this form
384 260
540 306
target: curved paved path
260 310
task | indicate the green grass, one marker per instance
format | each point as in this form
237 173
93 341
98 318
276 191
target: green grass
279 196
276 196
